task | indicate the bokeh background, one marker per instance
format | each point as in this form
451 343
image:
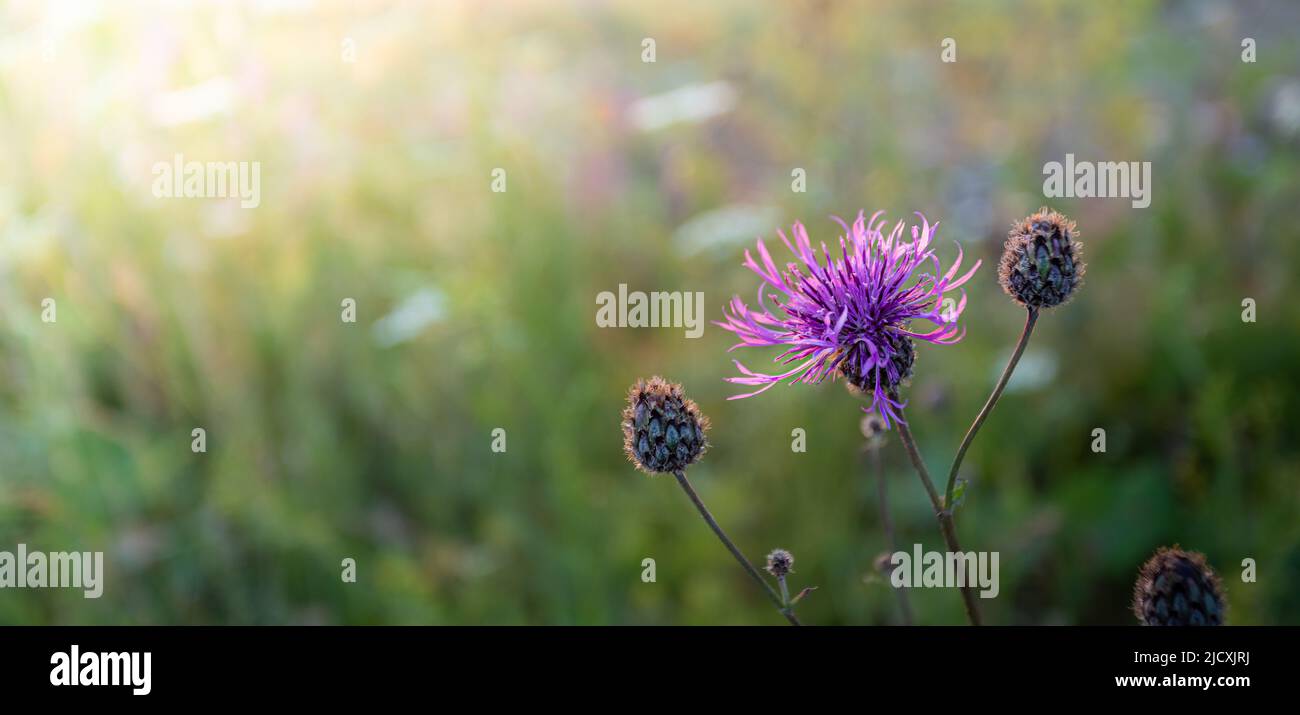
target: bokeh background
378 127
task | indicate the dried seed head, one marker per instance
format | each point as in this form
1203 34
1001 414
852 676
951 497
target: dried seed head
663 432
780 562
1177 588
1041 265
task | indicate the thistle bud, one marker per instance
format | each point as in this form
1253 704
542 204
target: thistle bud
780 562
663 432
1041 266
1177 588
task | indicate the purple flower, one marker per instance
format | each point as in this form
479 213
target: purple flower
852 315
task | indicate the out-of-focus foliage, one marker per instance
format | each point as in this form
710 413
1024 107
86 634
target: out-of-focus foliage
476 310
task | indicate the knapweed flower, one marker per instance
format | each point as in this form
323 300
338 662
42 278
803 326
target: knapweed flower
663 432
852 315
1177 588
779 563
1040 266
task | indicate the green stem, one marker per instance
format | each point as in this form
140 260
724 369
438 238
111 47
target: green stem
887 523
722 535
944 516
1030 319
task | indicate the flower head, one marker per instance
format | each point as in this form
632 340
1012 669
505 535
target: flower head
663 432
852 315
1177 588
1040 265
779 562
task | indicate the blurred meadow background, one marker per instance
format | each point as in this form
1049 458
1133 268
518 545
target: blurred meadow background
378 127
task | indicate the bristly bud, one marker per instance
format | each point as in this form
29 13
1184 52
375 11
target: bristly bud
663 432
1041 265
780 562
1177 588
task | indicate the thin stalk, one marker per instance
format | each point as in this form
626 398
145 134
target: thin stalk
1030 319
887 524
726 541
943 515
